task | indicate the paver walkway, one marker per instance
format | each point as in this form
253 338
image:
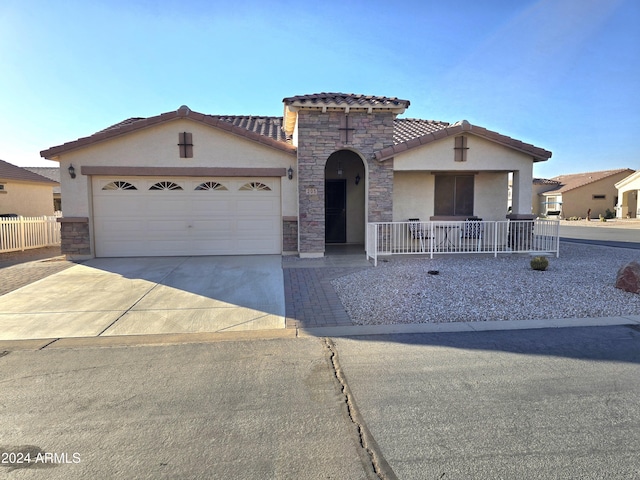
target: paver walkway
18 269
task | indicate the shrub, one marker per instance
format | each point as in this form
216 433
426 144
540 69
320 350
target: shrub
539 263
608 214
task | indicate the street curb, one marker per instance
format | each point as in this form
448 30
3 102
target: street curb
359 330
338 331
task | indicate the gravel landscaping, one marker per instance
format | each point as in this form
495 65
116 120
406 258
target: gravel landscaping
580 283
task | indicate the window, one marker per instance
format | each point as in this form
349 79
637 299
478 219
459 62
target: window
454 195
165 186
254 186
599 197
211 186
2 187
119 185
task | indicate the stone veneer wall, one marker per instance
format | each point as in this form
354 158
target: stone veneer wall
319 136
289 234
75 238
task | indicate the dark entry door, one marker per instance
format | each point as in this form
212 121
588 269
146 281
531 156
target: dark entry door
335 208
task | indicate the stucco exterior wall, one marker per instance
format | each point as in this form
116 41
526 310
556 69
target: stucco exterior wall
576 202
413 195
26 199
628 193
158 147
490 162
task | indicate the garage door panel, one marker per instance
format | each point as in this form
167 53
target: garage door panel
189 221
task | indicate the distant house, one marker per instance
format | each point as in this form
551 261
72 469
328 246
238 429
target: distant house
188 183
52 173
24 193
628 191
576 194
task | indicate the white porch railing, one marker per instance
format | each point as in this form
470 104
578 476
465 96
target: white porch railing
22 233
470 236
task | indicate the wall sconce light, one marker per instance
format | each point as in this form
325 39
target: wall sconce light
72 171
357 178
290 173
340 169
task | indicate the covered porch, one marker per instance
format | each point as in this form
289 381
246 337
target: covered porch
471 236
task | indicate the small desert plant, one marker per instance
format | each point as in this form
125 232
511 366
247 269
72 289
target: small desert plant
539 263
602 218
608 214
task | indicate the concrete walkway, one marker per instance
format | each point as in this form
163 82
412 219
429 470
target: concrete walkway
154 295
176 309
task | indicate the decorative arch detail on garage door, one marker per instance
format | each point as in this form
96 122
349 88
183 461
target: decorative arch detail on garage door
119 185
165 186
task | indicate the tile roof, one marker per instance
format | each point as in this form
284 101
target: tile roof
405 129
260 129
52 173
408 132
9 171
545 181
577 180
463 126
350 99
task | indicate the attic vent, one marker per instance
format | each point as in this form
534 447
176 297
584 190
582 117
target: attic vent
460 149
185 144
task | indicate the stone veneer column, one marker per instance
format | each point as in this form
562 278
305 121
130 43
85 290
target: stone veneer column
319 136
75 237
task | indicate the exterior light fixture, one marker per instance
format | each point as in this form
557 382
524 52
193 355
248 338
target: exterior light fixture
340 169
72 171
290 173
357 178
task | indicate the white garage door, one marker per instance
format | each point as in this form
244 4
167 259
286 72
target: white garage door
159 216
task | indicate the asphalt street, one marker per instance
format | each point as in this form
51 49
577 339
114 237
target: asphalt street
549 403
601 235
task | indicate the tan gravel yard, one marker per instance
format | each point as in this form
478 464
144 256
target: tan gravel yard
578 284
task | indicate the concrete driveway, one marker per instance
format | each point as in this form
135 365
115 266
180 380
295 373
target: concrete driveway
136 296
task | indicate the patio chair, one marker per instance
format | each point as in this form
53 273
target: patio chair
418 232
473 229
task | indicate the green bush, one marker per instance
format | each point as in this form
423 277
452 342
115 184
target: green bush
608 214
539 263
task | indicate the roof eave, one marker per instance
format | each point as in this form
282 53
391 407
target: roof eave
538 154
182 113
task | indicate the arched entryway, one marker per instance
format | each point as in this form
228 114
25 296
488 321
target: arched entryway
345 193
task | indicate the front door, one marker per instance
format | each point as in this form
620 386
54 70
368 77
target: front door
335 208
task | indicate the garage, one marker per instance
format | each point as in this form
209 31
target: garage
174 216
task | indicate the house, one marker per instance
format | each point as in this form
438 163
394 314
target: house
24 193
628 190
576 194
186 183
52 173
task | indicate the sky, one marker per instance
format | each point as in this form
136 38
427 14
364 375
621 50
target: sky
563 75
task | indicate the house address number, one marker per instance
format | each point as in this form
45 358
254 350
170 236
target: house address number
311 191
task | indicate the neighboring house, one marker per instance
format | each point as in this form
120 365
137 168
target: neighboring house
574 195
628 192
185 183
52 173
23 192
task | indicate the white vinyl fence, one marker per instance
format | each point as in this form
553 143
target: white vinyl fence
469 236
22 233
